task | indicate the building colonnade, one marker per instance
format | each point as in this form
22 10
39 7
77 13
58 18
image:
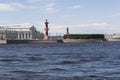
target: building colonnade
24 35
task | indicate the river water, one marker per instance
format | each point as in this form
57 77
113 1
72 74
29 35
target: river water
60 61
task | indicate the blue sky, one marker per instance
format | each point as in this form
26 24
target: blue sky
81 16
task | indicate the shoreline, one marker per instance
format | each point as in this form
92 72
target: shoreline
49 41
53 41
29 41
82 40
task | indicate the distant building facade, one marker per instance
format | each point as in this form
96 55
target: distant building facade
19 32
112 37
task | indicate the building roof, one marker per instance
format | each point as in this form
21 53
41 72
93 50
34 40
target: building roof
14 28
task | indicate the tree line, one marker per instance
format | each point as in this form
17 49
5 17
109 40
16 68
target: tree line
84 36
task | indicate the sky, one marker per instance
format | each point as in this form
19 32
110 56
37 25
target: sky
80 16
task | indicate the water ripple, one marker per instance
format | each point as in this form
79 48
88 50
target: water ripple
68 61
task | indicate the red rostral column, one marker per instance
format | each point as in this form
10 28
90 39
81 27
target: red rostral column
67 32
46 29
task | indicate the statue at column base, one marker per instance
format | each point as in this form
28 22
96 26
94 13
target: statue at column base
46 38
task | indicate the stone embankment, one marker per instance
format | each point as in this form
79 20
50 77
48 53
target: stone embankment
3 41
29 41
48 41
82 40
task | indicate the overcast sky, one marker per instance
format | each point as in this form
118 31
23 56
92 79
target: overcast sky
81 16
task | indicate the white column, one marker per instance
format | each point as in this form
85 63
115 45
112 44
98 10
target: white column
18 35
21 35
27 36
30 35
24 35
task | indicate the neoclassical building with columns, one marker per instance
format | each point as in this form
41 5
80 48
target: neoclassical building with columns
20 32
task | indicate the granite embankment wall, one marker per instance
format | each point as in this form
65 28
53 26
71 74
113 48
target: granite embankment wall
3 41
29 41
48 41
83 40
32 41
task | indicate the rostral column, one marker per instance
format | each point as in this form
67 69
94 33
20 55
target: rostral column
67 32
46 29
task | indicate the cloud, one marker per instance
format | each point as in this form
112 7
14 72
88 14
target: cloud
68 15
6 7
17 5
11 6
53 28
114 15
76 7
33 1
36 1
57 29
102 24
100 27
60 29
92 28
51 8
27 24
